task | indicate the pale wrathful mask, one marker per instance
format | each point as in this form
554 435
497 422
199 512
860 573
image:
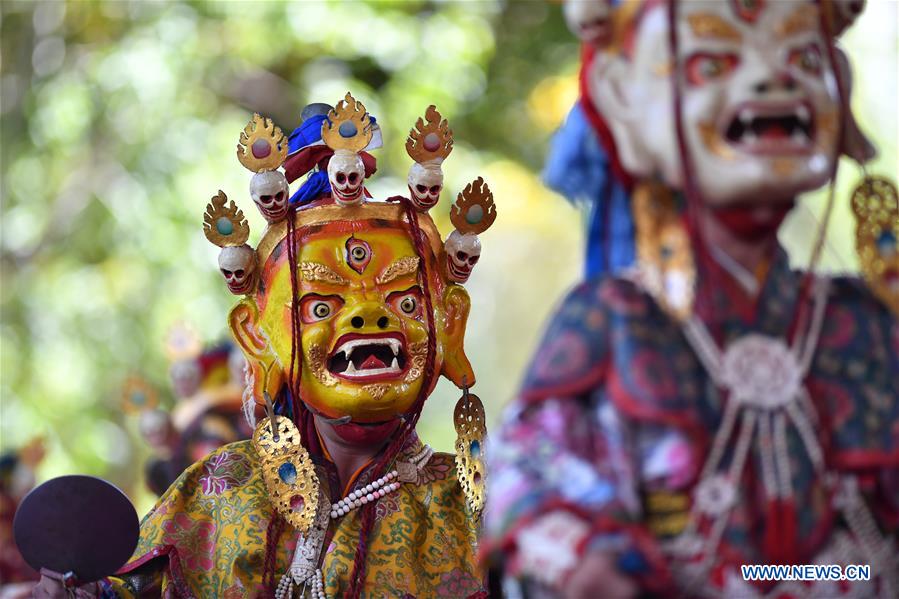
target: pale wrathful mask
759 104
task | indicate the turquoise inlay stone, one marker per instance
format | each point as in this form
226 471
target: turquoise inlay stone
347 129
474 214
886 243
224 226
475 448
139 398
288 473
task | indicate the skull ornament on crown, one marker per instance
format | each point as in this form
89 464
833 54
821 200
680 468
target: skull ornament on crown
463 250
425 185
226 227
472 214
346 173
348 130
270 192
429 143
238 266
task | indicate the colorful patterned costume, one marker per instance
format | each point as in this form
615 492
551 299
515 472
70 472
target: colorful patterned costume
617 416
685 415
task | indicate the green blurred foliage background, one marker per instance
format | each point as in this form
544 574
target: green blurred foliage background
119 120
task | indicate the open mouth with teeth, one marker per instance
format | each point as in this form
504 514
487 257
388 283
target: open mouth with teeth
348 194
762 129
367 358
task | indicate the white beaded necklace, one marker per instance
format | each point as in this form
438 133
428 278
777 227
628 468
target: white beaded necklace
383 486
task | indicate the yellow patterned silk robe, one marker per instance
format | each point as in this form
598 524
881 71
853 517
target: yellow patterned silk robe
206 536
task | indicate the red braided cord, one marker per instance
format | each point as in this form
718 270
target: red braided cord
367 516
272 534
296 354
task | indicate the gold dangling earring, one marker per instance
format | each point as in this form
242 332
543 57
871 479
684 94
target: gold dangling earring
471 435
664 254
287 469
876 208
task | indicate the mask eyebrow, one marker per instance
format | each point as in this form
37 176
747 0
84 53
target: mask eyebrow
315 271
711 26
403 266
804 18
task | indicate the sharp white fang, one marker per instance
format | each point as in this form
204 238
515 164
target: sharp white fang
348 352
350 369
750 137
746 117
799 136
802 113
395 365
395 346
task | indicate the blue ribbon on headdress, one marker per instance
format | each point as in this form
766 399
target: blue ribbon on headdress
314 186
579 168
308 134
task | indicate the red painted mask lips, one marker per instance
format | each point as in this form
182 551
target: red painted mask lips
355 432
368 358
772 129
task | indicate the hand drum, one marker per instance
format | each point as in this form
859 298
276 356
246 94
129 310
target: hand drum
78 524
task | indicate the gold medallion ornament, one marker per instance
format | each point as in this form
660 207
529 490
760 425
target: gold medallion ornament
664 254
225 226
471 434
431 141
262 146
876 209
288 471
474 210
348 126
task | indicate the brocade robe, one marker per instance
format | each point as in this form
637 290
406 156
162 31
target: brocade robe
206 535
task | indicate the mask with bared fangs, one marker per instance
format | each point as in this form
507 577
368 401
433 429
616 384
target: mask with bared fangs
759 107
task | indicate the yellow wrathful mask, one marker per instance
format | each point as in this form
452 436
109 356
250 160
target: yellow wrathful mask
351 307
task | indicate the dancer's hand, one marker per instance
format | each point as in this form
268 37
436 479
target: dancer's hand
596 575
51 586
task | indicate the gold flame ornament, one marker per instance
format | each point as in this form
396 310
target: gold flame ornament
225 226
876 209
474 210
666 268
262 145
430 141
288 471
471 436
348 126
